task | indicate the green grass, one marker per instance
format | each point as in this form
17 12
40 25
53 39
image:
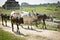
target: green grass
8 36
49 27
50 10
7 11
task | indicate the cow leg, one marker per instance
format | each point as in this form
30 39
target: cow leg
6 22
2 21
28 26
44 25
31 28
36 23
18 29
12 27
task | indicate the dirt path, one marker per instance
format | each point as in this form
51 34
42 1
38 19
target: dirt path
36 34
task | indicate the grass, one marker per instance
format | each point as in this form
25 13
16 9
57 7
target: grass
7 11
49 27
49 10
8 36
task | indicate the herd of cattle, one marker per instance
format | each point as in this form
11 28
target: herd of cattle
24 18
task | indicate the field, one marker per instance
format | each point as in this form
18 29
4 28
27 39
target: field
49 10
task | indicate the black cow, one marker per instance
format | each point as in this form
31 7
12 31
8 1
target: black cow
4 17
42 17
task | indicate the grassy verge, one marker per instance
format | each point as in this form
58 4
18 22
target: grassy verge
8 36
49 27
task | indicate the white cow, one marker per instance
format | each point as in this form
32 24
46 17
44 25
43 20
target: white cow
23 13
15 14
12 12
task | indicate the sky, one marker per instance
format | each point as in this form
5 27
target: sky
31 1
